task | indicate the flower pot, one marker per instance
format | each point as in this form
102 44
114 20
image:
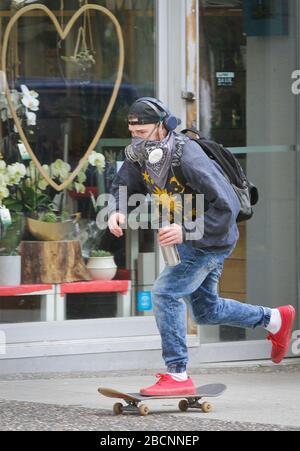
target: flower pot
11 235
10 270
48 231
102 268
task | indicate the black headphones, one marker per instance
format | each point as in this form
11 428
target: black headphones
170 121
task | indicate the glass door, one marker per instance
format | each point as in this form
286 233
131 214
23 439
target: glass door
248 52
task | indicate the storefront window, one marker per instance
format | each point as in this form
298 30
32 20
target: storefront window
248 52
74 80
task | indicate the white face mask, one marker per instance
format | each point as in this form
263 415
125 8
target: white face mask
159 162
154 156
140 150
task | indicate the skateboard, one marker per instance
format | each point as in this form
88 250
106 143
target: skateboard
135 401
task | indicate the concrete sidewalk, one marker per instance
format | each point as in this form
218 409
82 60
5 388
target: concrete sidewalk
259 397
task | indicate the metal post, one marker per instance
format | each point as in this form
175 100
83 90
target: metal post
191 94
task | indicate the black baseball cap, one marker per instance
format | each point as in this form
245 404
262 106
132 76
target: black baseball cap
140 114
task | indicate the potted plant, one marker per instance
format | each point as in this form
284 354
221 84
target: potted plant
24 190
10 260
11 226
101 265
53 227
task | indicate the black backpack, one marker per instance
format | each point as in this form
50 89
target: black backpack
247 192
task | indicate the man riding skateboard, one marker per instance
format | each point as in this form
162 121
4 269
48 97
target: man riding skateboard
196 278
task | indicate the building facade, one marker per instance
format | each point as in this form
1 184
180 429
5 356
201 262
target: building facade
227 67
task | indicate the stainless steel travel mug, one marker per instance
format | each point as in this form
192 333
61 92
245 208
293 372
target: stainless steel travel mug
171 255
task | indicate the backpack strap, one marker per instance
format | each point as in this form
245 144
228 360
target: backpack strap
194 131
180 142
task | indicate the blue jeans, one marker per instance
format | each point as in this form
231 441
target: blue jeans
196 279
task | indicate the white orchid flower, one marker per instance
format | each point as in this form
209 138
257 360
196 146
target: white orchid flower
43 185
41 182
27 92
16 172
60 169
97 160
16 101
3 169
5 110
4 116
20 169
26 98
85 166
31 118
3 179
46 168
35 178
16 98
31 103
80 188
30 99
31 173
4 193
29 183
81 178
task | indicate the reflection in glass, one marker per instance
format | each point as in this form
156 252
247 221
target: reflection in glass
69 85
247 56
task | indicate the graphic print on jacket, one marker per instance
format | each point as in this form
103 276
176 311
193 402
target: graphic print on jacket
170 200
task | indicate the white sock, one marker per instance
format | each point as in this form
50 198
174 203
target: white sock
179 377
275 323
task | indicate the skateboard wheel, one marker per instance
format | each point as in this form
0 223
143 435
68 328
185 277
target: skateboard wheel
118 409
144 410
206 407
183 405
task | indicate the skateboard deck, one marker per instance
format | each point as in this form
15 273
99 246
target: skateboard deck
135 401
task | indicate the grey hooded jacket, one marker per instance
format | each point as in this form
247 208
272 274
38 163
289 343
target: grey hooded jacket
205 177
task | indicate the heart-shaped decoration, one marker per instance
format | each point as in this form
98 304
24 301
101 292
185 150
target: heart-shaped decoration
63 35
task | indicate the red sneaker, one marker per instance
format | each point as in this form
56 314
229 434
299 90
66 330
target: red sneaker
281 340
167 386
